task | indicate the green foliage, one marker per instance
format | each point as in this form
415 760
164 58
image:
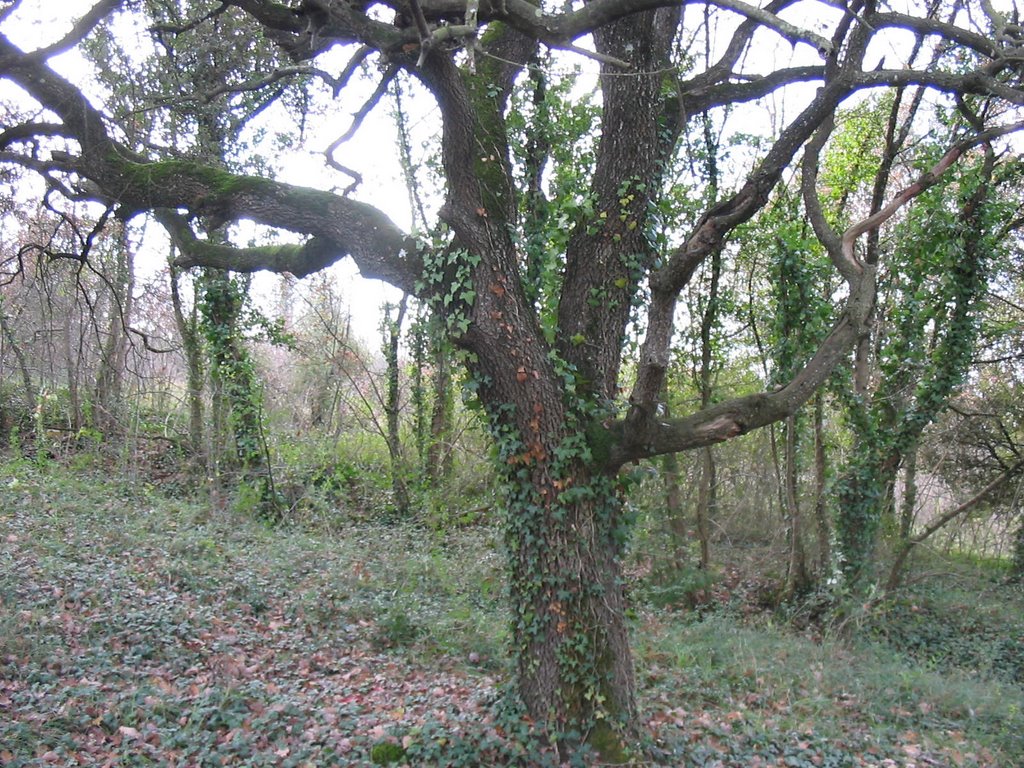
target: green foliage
815 701
15 417
550 119
853 157
386 753
222 303
397 628
930 297
950 628
677 587
447 279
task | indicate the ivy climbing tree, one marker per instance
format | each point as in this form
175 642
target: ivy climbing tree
545 355
920 348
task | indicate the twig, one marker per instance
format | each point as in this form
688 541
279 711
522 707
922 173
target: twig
357 120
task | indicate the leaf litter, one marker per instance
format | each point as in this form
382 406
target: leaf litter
153 635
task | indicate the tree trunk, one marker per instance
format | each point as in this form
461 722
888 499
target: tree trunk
909 507
392 406
1017 571
679 533
569 629
824 527
439 461
28 387
234 376
860 497
707 501
676 525
110 377
72 363
797 578
193 352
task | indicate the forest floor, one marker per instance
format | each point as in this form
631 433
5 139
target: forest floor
137 629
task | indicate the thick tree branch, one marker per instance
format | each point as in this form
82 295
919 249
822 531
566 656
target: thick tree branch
741 415
29 132
299 259
983 44
698 97
978 83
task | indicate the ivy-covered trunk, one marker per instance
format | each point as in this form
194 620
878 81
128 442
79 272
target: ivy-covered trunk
565 530
925 356
234 375
861 495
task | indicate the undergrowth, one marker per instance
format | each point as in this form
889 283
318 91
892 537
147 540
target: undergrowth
137 629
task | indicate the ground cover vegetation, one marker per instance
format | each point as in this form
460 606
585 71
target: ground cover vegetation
138 629
733 304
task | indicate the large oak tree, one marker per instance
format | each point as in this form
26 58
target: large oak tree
550 386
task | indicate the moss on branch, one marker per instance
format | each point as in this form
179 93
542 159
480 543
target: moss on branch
300 259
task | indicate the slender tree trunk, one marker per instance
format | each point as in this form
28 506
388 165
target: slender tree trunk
797 578
9 417
110 377
678 529
28 387
71 363
392 405
822 523
192 350
439 454
909 507
906 520
707 500
1017 571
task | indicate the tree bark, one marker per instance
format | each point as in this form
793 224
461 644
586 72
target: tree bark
28 386
115 349
72 365
821 518
797 578
678 530
193 354
566 529
393 403
439 459
551 405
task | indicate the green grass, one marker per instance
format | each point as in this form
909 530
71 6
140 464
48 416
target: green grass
145 630
859 697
